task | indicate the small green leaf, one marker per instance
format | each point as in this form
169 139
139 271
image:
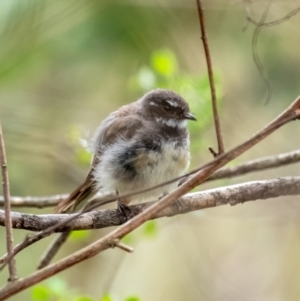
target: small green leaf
150 228
164 62
40 293
79 235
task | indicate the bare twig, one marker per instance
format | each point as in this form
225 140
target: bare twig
211 79
291 113
257 165
272 23
8 223
229 172
33 201
117 243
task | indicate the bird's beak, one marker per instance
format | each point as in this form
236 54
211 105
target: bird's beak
189 116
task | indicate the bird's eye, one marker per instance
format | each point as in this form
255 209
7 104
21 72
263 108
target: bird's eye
167 108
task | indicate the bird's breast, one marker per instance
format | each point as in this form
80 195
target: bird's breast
129 167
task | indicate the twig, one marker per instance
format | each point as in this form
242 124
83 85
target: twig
8 223
33 201
117 243
291 113
229 172
211 79
257 165
272 23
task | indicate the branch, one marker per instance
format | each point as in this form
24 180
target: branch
7 220
103 218
211 81
272 23
200 175
37 202
257 165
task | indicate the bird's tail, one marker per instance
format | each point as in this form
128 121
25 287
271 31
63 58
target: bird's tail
78 198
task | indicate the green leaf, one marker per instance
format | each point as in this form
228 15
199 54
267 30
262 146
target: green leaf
40 293
164 62
150 228
79 235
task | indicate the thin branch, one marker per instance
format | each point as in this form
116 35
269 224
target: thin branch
257 165
104 218
117 243
8 222
291 113
229 172
36 202
272 23
211 78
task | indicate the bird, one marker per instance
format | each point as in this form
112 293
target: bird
138 146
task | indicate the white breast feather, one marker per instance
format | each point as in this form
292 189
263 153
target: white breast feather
172 162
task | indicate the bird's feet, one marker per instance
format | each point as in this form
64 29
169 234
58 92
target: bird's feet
124 210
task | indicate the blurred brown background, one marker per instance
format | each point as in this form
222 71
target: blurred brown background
64 65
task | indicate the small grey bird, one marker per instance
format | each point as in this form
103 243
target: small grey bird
140 145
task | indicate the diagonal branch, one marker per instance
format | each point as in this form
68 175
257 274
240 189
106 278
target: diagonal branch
8 223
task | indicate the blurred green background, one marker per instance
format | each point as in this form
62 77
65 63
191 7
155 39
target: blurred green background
64 65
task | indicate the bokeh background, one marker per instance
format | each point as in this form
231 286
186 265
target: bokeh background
64 65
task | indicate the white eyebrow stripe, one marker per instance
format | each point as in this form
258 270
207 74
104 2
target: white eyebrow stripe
172 103
153 103
172 122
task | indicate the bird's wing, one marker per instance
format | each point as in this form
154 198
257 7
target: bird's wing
113 127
